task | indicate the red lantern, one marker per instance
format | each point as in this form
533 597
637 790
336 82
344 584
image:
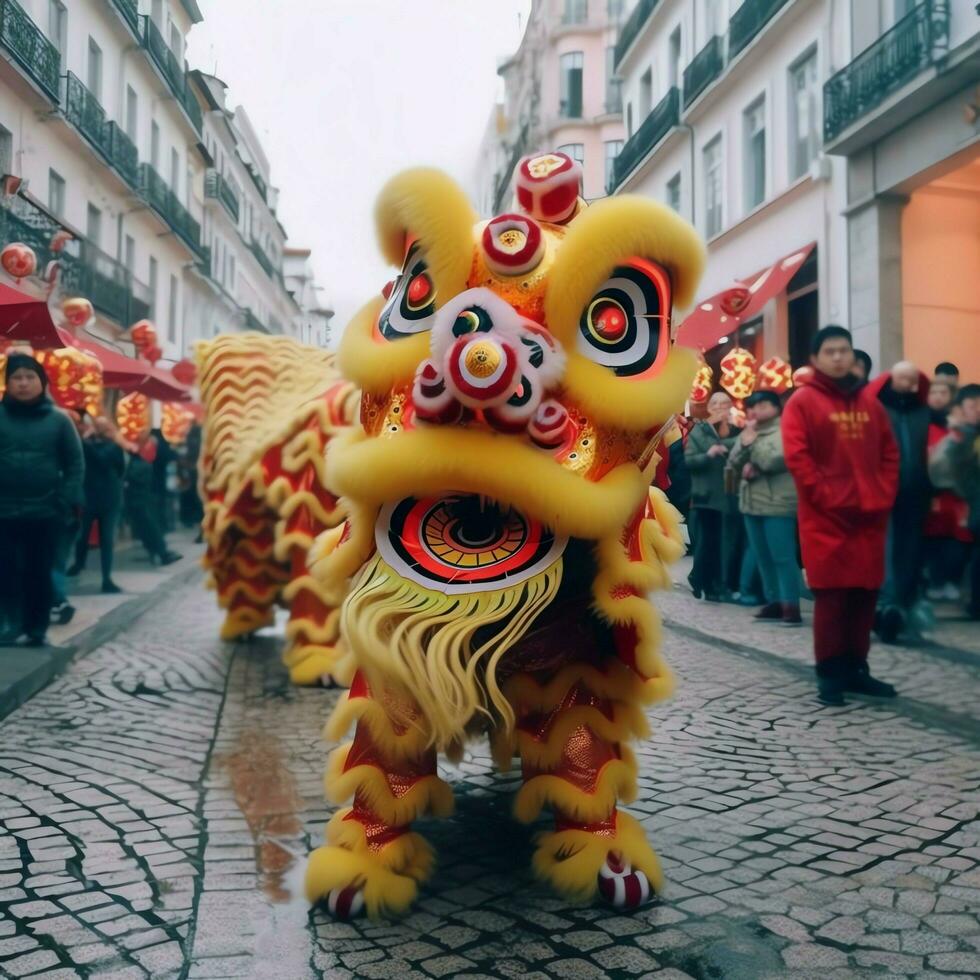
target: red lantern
738 373
133 415
152 353
775 375
75 377
78 311
734 300
143 334
176 422
18 260
701 388
60 239
185 372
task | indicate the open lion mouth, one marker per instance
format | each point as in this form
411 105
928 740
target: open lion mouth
460 543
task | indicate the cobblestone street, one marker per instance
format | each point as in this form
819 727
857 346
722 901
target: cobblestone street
157 801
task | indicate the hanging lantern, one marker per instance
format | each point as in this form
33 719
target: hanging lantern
133 415
18 260
75 378
802 375
738 373
734 299
143 334
60 239
78 311
152 353
176 422
185 372
775 375
701 387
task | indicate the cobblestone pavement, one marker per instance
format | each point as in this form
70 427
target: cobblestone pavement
156 802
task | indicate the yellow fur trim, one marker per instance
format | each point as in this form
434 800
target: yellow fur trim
569 860
427 461
386 892
607 234
617 782
410 743
409 853
618 683
332 562
429 795
245 620
308 665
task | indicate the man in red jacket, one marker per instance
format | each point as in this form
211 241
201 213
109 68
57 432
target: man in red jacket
843 456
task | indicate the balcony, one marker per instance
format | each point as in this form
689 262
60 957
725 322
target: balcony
633 26
35 54
883 68
123 155
129 9
23 221
258 181
664 116
748 21
252 322
162 199
167 64
270 270
216 186
108 284
706 66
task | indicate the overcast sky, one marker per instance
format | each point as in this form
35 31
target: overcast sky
343 94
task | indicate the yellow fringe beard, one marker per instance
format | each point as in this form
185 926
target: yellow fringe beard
421 643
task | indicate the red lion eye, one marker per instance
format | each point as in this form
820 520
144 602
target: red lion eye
419 289
609 321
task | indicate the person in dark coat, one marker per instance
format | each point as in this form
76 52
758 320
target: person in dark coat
164 472
904 392
839 446
141 510
191 509
41 474
105 464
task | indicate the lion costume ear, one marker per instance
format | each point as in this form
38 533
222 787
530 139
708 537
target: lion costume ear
426 211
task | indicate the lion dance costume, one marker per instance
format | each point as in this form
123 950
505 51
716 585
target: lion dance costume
501 535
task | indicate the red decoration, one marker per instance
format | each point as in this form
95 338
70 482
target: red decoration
18 260
738 373
512 244
701 388
133 415
75 378
152 353
185 372
775 375
143 334
547 186
734 300
77 310
175 422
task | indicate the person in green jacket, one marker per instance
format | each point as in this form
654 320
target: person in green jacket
767 500
41 473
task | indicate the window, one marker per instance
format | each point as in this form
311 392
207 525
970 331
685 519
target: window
174 171
576 12
156 12
574 150
613 149
172 312
153 284
714 19
646 93
6 151
130 253
58 25
56 194
674 59
176 41
754 154
93 226
804 139
95 69
674 192
571 85
614 9
155 146
132 113
614 85
711 155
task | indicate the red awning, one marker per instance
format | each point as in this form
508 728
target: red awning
709 322
26 318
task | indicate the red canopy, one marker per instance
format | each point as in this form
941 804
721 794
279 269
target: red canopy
27 318
709 322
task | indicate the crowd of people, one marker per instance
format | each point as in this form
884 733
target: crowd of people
64 473
861 493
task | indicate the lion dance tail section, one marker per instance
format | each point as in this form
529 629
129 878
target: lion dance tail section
272 406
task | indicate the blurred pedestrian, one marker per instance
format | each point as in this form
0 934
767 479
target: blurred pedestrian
715 510
105 464
41 473
164 483
955 463
904 391
767 500
839 446
947 371
862 365
191 509
141 507
62 611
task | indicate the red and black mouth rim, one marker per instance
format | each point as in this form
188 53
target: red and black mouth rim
463 543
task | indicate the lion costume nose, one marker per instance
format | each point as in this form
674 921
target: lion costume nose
482 370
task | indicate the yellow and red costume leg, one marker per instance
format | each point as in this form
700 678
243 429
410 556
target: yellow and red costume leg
373 860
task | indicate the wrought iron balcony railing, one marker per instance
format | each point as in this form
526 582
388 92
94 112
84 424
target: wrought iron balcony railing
216 186
171 69
35 54
123 155
83 110
23 221
915 41
263 259
664 116
748 21
112 289
163 200
252 322
130 12
633 26
706 66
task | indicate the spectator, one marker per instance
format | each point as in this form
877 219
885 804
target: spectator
903 391
714 511
191 510
947 534
955 464
62 611
767 500
842 454
164 482
947 371
41 472
141 509
862 365
105 464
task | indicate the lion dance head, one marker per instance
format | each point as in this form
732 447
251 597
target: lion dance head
516 377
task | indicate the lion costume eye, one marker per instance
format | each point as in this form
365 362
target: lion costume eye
626 325
410 304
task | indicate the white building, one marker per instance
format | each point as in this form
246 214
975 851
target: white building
312 325
727 105
117 141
